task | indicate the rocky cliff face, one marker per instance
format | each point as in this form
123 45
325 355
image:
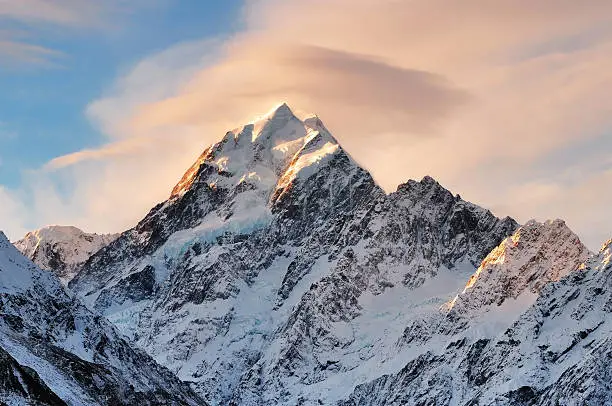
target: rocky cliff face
22 384
513 274
62 249
278 268
55 351
537 343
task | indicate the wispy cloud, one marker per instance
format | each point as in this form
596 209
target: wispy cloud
24 22
77 13
99 154
14 53
61 12
12 213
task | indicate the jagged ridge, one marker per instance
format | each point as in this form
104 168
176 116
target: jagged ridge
556 350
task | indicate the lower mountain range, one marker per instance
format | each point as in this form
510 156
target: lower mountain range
279 273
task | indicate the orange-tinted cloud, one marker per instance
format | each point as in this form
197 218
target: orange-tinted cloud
311 78
478 93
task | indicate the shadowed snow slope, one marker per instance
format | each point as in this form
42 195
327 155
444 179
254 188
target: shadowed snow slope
55 351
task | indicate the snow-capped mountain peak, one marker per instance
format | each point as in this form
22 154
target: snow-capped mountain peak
273 237
62 249
536 254
279 272
260 153
270 124
553 350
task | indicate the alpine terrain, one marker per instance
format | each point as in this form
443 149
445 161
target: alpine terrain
62 249
279 273
54 351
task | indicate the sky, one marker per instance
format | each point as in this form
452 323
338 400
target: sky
507 102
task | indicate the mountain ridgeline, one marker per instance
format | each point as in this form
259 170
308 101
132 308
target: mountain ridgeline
278 272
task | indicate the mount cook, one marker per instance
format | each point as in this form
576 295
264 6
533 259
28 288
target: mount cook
279 272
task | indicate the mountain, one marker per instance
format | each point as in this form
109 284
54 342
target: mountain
62 249
279 272
506 283
54 351
557 351
514 273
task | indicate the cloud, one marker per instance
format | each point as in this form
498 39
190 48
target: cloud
583 204
62 12
116 149
76 13
12 214
311 78
494 98
14 53
23 23
153 79
110 192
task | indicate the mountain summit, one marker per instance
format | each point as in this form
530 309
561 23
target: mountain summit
62 249
274 147
260 277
